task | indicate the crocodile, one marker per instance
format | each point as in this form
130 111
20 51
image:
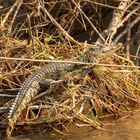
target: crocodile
31 85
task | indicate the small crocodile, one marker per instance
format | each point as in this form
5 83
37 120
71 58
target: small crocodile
31 85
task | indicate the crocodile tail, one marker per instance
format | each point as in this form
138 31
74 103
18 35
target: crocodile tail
11 124
28 91
13 119
9 129
20 104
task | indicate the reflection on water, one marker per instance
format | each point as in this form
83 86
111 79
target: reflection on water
127 129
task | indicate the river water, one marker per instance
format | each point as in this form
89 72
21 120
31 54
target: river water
124 129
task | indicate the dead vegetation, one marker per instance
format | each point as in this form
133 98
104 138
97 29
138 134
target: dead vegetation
36 32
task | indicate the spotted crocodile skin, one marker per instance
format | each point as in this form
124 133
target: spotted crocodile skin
31 85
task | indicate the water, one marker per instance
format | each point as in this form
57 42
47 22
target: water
125 129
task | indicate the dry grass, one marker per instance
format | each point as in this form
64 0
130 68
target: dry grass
44 31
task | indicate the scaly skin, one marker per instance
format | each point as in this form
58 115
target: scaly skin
29 90
31 85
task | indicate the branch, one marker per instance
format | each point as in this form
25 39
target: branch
117 18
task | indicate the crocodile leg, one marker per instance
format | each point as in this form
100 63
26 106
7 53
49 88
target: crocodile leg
29 90
31 85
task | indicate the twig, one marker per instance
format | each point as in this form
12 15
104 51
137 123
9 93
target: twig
138 49
18 2
137 53
117 17
129 15
9 90
30 33
66 61
34 107
17 9
78 6
125 31
4 109
113 7
60 28
7 95
128 40
38 121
